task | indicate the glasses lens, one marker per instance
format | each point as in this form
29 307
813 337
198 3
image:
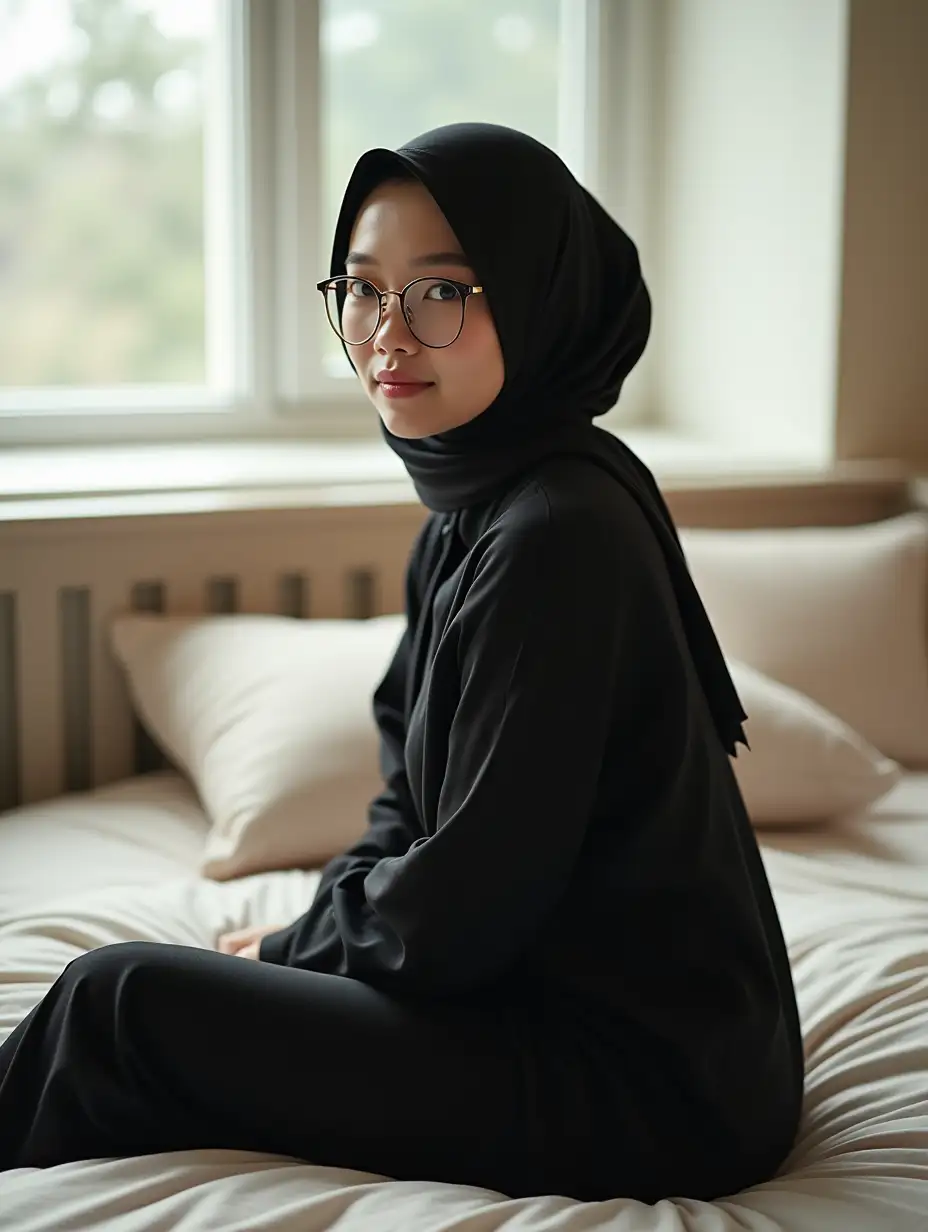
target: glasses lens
434 311
353 306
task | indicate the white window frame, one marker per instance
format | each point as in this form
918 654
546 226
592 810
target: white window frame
270 336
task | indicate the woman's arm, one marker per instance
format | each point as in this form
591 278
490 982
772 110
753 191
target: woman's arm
540 633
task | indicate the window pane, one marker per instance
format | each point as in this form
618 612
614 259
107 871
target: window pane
102 108
395 68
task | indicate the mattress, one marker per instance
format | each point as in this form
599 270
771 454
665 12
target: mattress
120 864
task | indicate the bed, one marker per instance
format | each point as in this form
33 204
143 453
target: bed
96 846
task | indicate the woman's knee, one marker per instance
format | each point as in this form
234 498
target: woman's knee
111 973
111 961
123 986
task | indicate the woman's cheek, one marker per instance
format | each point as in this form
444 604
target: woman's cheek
480 351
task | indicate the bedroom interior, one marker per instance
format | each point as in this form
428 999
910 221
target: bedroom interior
148 628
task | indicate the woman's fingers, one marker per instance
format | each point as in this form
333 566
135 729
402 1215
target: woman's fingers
231 943
234 942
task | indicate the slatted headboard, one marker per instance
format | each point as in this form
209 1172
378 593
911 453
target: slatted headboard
65 719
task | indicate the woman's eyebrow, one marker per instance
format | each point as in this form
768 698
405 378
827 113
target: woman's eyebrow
430 258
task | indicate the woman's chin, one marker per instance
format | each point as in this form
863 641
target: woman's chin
408 421
408 432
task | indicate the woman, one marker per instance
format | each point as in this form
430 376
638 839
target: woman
553 963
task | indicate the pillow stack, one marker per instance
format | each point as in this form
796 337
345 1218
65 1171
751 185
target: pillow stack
825 631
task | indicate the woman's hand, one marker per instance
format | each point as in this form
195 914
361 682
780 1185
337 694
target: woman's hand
244 942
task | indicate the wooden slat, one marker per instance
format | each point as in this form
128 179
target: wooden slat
259 592
149 595
74 620
38 686
185 593
292 598
391 596
221 592
361 585
327 597
9 717
110 706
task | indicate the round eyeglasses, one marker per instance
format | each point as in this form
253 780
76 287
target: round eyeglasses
433 308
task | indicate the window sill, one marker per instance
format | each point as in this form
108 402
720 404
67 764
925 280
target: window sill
86 481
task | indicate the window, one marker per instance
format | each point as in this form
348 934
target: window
102 275
111 240
170 174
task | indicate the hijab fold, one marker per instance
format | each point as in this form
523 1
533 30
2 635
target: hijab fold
572 314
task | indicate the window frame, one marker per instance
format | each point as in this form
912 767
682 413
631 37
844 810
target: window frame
266 163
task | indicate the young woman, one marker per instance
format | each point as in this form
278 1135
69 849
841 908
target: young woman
553 963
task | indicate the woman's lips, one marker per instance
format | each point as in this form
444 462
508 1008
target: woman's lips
403 389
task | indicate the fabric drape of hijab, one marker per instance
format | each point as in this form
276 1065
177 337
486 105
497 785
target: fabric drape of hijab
572 314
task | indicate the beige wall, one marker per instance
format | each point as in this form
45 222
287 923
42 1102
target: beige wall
882 378
789 245
749 142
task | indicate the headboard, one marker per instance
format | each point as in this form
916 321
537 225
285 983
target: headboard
65 719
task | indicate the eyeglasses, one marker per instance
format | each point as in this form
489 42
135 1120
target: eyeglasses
433 308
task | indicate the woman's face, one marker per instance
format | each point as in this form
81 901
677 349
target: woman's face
397 228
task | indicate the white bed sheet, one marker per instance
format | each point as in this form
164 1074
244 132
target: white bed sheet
121 864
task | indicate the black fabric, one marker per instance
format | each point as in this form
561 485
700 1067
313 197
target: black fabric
573 315
141 1048
561 831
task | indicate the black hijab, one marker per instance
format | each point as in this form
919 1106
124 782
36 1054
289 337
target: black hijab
572 313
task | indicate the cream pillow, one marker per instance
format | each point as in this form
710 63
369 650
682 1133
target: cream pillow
838 613
271 718
805 764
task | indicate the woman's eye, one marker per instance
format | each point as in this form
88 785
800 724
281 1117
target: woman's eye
359 288
442 291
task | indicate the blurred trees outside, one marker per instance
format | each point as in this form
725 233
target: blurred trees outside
101 203
102 157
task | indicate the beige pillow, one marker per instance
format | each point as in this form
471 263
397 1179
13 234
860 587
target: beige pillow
838 613
804 764
272 720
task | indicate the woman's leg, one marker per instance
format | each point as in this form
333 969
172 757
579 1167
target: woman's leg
141 1047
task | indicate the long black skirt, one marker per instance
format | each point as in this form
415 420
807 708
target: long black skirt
143 1047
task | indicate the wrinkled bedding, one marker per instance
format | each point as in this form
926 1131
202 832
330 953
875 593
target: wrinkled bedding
121 864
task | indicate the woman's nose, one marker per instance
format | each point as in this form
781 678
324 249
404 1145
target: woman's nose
394 333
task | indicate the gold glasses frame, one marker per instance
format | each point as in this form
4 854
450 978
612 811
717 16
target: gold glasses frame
464 289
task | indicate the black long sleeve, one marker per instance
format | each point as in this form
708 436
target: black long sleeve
537 642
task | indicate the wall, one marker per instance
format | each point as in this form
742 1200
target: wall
882 363
750 141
